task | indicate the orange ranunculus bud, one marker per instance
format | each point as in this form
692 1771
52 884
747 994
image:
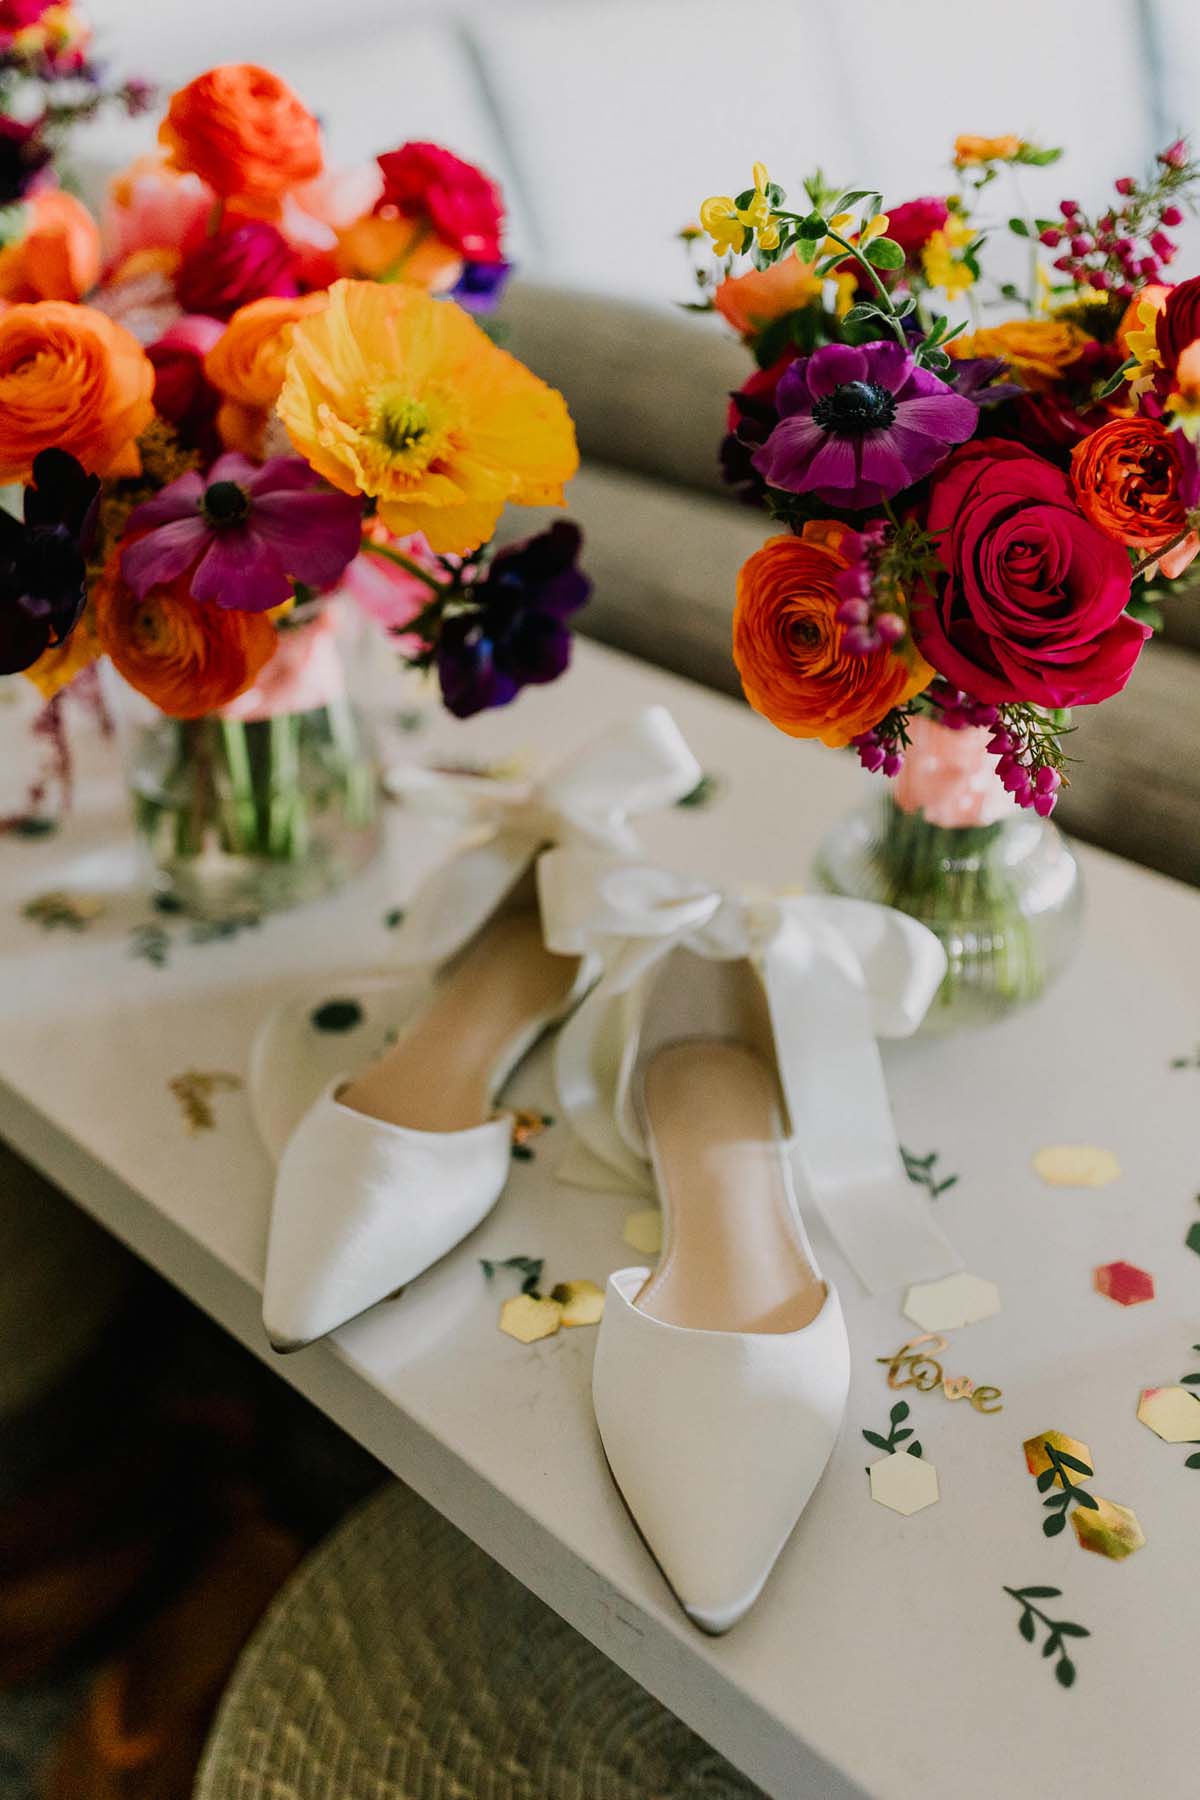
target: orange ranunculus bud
187 657
71 377
1038 351
969 150
787 643
379 246
1127 476
246 365
244 132
750 301
59 256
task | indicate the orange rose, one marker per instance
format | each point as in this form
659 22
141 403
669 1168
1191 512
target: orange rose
189 659
968 151
244 132
59 256
246 365
787 643
1039 351
1127 477
750 301
70 376
400 249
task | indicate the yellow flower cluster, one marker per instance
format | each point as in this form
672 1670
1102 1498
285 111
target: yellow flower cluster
727 224
970 152
942 260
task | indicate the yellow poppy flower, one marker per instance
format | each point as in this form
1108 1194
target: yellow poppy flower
401 397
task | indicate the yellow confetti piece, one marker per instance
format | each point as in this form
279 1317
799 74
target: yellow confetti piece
74 912
1076 1165
1036 1460
1173 1413
1108 1529
904 1483
527 1319
643 1231
582 1302
955 1300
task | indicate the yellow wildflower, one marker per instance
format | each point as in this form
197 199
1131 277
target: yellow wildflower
1140 339
726 223
969 152
719 218
874 228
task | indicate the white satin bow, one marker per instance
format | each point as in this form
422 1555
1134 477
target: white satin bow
586 801
836 972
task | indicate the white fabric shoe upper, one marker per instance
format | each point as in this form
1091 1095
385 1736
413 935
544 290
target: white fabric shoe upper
716 1440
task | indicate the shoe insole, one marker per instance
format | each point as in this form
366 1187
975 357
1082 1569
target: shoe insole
733 1258
441 1075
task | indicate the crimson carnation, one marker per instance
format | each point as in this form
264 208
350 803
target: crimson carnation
1032 605
913 224
460 203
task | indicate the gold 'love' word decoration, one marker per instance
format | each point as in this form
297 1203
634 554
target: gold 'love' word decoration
913 1366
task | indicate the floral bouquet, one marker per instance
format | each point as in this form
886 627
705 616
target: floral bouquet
253 390
971 510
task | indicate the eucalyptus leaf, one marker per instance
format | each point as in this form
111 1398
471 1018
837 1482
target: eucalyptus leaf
1018 227
1026 1627
1065 1671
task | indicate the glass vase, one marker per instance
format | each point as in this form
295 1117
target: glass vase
998 885
273 800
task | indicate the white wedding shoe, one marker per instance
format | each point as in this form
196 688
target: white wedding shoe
727 1060
388 1170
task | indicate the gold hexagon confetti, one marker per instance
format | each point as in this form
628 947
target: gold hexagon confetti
527 1319
1036 1460
582 1302
643 1231
1108 1529
953 1301
195 1089
1076 1165
903 1482
1171 1412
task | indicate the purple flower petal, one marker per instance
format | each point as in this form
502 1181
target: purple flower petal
290 472
241 574
947 416
891 365
787 453
835 464
233 466
883 464
163 554
315 534
181 500
835 364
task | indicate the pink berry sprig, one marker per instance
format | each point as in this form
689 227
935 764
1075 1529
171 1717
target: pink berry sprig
881 750
867 611
1029 758
956 710
1128 245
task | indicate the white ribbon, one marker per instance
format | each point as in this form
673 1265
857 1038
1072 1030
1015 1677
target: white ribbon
837 973
586 802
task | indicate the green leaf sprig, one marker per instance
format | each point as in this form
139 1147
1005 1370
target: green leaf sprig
529 1267
1061 1467
1056 1629
924 1172
897 1433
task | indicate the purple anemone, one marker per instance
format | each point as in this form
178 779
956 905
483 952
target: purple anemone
859 423
248 534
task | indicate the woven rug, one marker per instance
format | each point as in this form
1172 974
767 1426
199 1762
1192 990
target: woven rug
401 1663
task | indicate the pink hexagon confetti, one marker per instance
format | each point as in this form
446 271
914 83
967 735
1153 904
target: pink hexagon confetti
1124 1282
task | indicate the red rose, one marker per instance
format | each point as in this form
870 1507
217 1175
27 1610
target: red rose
1178 324
464 208
913 224
182 394
219 274
761 387
1032 607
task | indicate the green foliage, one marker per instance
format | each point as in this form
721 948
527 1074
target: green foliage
884 253
1056 1629
897 1432
923 1169
528 1267
1062 1466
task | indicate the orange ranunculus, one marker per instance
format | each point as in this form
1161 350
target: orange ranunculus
750 301
787 643
1154 297
380 246
244 132
1039 351
186 657
1127 476
71 377
57 667
969 151
246 365
58 258
401 397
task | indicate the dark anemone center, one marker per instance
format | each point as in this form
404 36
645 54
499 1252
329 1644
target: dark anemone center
225 503
855 407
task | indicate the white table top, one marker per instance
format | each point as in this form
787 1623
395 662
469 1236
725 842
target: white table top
884 1658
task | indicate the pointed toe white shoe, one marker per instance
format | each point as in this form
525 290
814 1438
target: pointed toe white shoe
726 1053
389 1170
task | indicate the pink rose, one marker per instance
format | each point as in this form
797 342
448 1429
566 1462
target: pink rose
1032 607
150 207
249 262
913 224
